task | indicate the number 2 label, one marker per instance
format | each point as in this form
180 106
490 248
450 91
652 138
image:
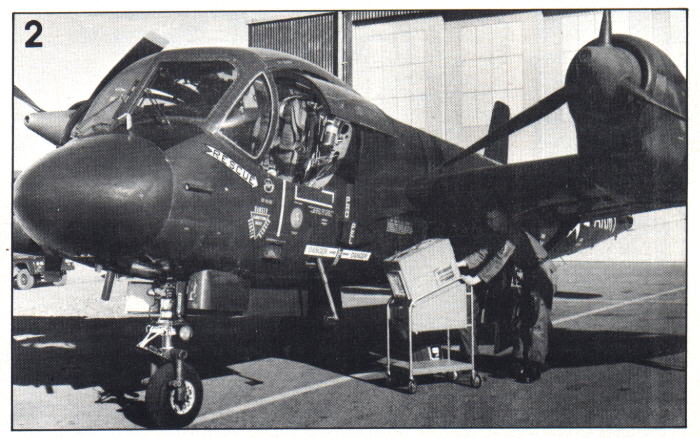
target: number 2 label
32 41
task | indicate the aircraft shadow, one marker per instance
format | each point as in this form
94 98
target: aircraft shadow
100 352
575 348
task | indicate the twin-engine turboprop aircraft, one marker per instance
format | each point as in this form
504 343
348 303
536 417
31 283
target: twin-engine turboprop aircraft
256 166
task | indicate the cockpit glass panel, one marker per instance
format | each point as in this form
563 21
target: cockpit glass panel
248 122
103 110
178 92
185 89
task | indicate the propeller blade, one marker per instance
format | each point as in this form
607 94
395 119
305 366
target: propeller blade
646 97
19 94
605 36
539 110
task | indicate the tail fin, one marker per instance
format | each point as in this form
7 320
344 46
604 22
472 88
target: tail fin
498 150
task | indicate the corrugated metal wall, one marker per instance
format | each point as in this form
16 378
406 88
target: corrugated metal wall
314 38
375 15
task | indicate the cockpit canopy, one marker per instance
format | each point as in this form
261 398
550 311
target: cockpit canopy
279 118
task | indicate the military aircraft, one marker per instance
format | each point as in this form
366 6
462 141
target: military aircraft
200 168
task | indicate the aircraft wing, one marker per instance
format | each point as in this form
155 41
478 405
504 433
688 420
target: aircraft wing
538 193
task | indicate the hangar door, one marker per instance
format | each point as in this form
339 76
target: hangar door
398 65
443 75
493 59
314 38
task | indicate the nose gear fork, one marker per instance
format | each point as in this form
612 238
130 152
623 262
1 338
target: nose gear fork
170 318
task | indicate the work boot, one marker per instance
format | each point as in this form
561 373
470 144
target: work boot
517 369
531 372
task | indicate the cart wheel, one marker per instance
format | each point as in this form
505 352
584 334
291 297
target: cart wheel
412 387
453 376
390 381
475 381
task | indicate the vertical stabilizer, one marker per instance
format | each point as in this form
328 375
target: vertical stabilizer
498 150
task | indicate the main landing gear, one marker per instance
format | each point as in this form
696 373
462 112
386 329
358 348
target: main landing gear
174 389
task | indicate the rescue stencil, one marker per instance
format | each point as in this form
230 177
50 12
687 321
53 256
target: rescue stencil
235 167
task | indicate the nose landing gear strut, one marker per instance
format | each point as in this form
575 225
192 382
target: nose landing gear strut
174 390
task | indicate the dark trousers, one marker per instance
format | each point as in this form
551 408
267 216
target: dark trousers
465 336
532 327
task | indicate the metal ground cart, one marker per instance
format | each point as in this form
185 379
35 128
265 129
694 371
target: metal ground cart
429 295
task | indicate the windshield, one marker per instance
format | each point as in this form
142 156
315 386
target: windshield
101 114
178 91
185 89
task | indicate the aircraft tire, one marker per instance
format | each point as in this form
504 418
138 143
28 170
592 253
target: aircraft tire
24 279
62 281
163 410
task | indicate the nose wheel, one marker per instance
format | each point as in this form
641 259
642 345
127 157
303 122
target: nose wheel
168 405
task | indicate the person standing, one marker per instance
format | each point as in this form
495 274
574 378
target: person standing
517 248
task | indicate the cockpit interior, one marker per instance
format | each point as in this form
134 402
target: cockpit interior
309 142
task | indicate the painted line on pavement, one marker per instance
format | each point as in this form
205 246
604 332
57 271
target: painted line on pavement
614 306
378 374
288 394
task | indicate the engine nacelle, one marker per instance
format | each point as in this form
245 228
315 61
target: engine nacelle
609 118
633 146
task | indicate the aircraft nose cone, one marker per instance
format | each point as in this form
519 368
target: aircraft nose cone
105 195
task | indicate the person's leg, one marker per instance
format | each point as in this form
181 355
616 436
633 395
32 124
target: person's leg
521 334
537 337
465 344
465 336
539 333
